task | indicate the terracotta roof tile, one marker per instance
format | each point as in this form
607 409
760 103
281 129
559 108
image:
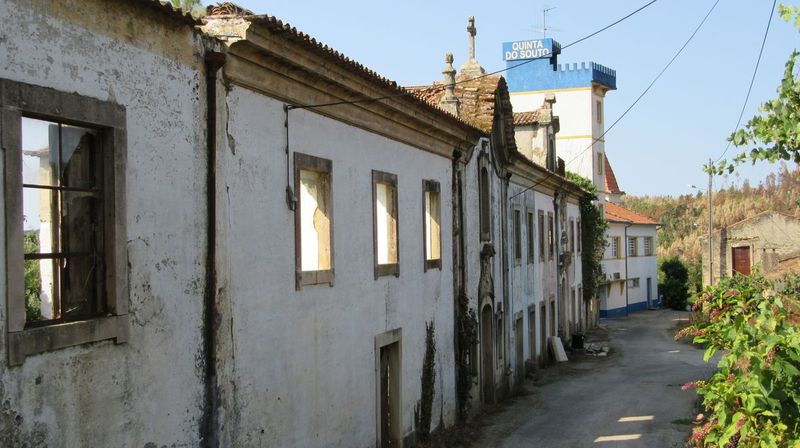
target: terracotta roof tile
476 96
526 118
610 178
618 213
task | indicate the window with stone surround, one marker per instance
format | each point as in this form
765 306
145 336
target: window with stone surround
66 275
431 216
313 177
530 235
386 246
541 235
572 235
600 163
517 237
551 244
599 106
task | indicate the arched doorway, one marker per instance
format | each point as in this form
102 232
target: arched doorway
487 354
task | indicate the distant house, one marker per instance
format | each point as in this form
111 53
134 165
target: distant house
630 263
770 240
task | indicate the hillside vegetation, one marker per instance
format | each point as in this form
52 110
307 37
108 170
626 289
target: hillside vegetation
684 219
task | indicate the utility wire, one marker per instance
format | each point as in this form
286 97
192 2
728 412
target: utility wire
440 87
752 80
678 53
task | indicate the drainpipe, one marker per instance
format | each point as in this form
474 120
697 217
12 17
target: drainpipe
208 436
626 268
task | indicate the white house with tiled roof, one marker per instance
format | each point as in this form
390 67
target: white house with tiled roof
629 263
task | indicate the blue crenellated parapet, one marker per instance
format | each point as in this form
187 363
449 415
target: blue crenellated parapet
539 72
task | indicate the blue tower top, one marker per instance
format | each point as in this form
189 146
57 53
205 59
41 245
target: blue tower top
542 72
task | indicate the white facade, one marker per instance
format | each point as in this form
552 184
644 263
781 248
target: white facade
305 359
149 390
549 300
632 280
581 123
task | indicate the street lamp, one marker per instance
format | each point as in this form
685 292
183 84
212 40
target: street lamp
710 245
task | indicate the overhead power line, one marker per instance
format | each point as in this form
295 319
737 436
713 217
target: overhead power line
752 80
644 92
397 95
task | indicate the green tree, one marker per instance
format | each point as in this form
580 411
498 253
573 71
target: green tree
774 134
33 280
593 237
674 284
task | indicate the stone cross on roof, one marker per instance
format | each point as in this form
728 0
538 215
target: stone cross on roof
472 32
471 68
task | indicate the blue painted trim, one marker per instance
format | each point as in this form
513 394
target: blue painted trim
621 312
540 74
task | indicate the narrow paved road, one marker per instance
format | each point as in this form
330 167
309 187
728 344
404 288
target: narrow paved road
630 399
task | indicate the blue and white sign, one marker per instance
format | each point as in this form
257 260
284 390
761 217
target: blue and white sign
527 49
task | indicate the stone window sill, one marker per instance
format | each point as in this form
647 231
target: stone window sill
22 344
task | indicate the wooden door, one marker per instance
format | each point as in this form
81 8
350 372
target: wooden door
487 354
386 398
543 334
741 260
518 335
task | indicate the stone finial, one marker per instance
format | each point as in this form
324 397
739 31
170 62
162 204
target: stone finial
449 101
549 100
472 67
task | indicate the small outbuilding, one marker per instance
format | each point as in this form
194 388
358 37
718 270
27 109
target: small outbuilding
769 240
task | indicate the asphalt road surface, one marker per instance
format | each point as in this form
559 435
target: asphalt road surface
630 399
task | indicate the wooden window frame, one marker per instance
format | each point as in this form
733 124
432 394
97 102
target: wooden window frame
18 100
579 237
430 186
517 224
635 251
306 278
542 239
551 235
530 231
381 177
615 239
648 246
572 235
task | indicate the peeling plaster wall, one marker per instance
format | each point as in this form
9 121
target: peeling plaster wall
472 259
299 366
147 392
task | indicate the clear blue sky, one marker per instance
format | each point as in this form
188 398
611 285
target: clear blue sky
660 146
